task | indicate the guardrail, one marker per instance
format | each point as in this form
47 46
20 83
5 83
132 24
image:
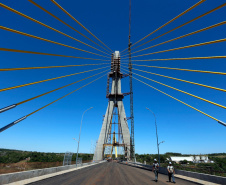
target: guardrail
201 176
208 170
18 176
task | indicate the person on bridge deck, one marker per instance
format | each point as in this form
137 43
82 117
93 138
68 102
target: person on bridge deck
171 172
155 169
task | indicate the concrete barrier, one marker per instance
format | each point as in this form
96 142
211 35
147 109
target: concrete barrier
18 176
201 176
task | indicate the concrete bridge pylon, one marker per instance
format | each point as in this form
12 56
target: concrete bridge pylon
115 111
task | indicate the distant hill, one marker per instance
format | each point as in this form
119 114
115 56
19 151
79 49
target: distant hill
15 156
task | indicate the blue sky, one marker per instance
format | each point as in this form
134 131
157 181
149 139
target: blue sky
183 129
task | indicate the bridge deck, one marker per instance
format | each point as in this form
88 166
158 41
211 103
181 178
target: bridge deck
110 173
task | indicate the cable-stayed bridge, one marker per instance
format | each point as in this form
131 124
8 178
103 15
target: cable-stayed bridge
74 40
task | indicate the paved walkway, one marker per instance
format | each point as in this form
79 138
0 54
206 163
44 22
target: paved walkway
198 181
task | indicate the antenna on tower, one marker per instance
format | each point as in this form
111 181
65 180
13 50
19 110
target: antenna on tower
132 144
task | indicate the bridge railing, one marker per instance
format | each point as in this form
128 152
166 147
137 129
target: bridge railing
18 176
195 175
206 170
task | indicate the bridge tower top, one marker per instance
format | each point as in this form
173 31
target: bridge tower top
115 64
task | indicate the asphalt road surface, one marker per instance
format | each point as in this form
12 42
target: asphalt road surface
109 173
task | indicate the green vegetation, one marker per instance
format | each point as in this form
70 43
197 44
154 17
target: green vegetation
220 163
149 158
15 156
216 168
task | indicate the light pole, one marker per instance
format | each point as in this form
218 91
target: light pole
161 142
158 148
77 147
80 134
156 134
